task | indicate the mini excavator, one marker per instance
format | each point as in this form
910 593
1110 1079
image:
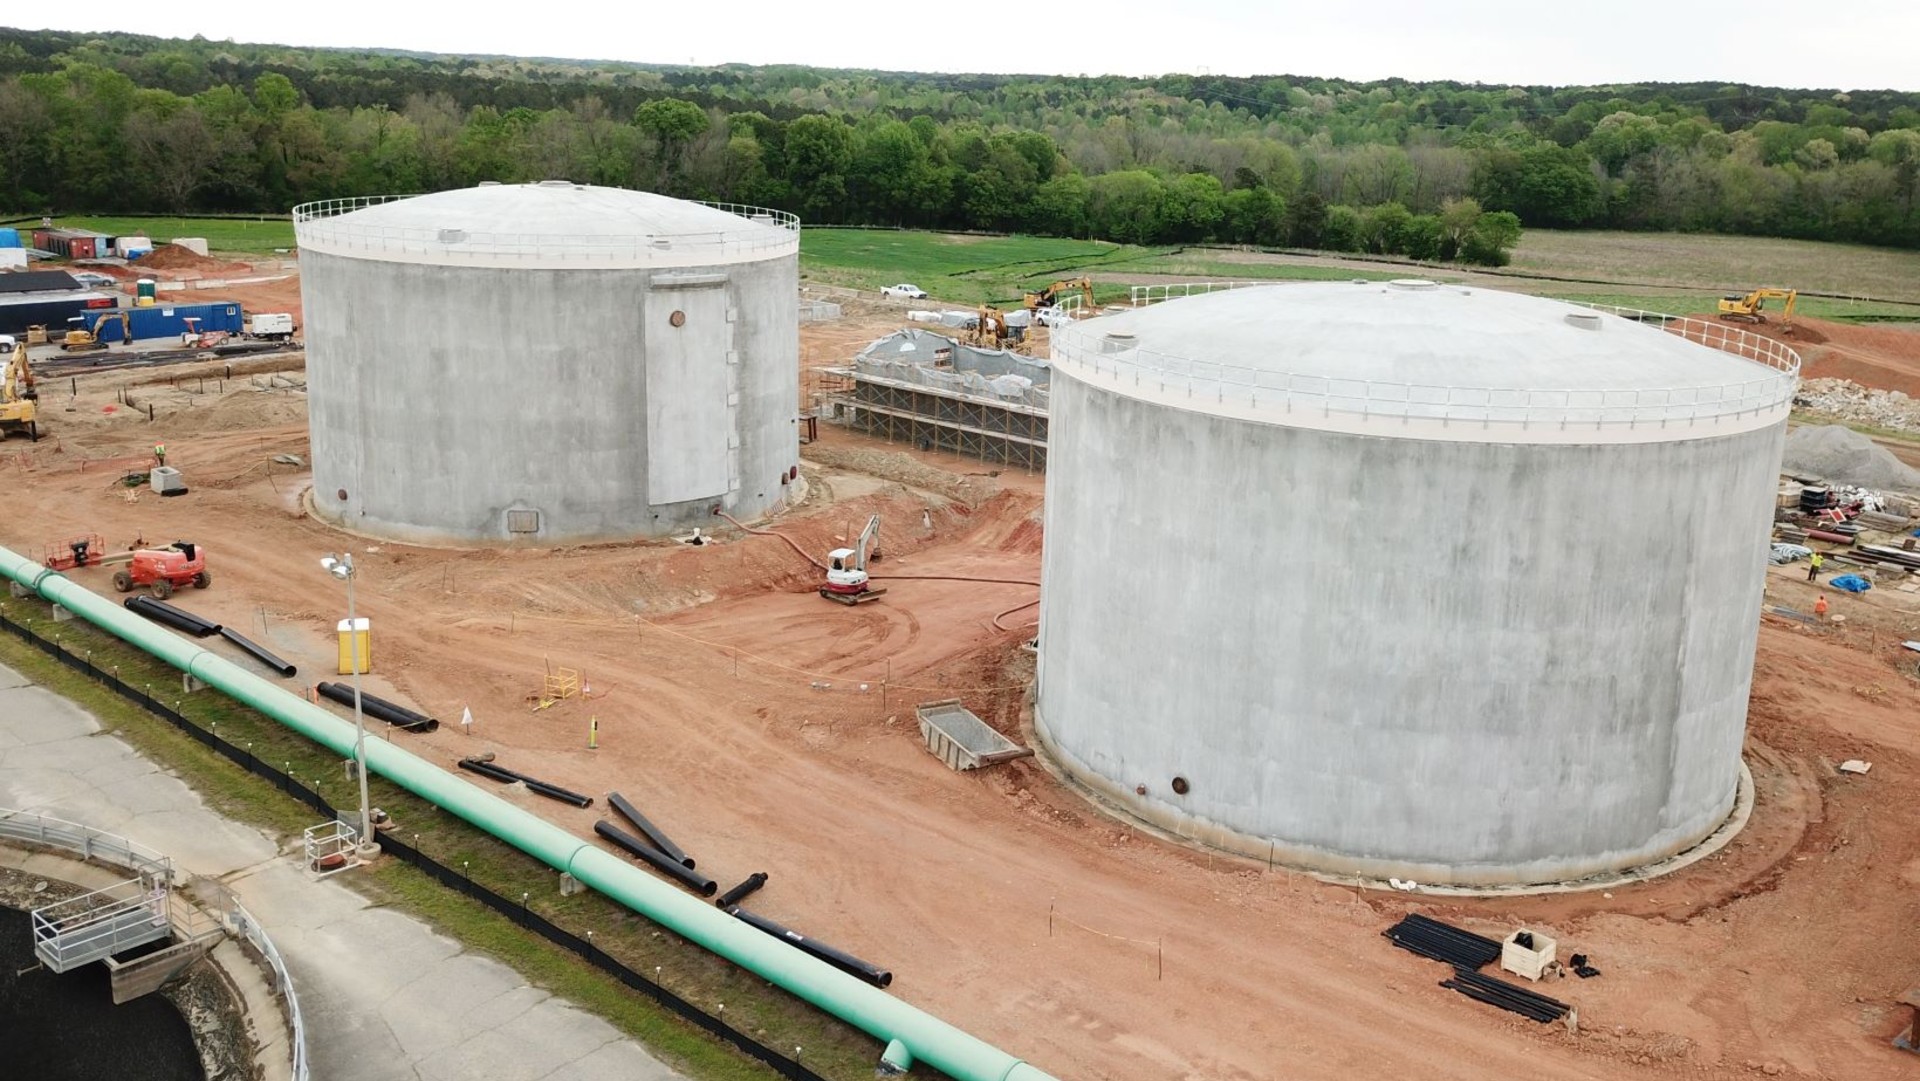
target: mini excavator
847 581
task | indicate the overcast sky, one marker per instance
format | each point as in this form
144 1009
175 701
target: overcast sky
1846 44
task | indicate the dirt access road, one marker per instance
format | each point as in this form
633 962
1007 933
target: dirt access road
773 731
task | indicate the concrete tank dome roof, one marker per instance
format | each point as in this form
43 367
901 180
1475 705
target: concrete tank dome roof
1414 349
550 224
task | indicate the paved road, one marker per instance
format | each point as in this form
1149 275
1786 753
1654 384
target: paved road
383 995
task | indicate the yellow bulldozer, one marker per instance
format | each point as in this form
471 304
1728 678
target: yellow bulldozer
19 405
1751 307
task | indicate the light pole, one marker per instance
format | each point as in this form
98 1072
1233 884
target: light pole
341 567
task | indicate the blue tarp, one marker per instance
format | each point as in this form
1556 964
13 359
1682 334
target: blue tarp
1852 583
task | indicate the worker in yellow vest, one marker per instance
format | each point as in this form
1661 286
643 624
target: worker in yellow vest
1813 567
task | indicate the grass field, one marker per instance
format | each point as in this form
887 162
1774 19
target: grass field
997 270
1657 271
1722 263
250 236
969 269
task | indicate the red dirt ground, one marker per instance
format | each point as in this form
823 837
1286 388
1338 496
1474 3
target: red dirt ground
780 730
1886 357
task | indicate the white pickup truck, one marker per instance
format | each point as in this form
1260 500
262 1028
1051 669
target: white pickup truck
273 326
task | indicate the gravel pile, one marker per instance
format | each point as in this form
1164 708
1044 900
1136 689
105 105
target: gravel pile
1843 456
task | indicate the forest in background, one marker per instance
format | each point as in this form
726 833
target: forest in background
1434 170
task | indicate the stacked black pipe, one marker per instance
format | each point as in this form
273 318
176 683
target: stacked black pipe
1443 942
1815 499
168 616
379 708
1507 996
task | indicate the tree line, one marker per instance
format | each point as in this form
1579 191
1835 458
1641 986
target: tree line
1431 170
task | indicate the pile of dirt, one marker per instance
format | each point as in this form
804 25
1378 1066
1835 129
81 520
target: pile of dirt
1844 456
174 257
1883 356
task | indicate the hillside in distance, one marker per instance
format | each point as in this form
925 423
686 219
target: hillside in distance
107 122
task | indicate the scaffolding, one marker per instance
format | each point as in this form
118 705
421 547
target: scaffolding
1008 433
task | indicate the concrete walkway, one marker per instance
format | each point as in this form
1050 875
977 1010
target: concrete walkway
383 996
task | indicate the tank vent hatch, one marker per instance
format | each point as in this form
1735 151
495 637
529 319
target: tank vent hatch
1584 320
453 236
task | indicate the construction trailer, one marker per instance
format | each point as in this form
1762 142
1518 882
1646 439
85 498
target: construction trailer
173 320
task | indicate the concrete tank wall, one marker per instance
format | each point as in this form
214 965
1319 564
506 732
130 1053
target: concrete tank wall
1450 661
443 397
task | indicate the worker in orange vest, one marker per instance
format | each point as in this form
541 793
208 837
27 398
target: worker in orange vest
1813 567
1820 606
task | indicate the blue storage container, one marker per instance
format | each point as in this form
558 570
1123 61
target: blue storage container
10 237
170 320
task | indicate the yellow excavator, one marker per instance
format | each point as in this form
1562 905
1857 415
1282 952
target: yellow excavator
19 405
1750 307
1050 296
79 339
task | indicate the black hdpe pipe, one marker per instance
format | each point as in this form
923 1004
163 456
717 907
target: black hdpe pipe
487 771
378 708
741 892
845 962
168 616
537 787
257 652
648 830
639 849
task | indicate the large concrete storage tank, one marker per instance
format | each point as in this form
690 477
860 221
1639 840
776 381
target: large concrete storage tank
1408 580
547 362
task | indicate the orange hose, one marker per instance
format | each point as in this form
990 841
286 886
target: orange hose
1010 611
801 552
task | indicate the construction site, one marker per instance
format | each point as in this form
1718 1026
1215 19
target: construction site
1191 653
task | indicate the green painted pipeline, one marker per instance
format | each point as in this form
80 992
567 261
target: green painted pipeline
923 1037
